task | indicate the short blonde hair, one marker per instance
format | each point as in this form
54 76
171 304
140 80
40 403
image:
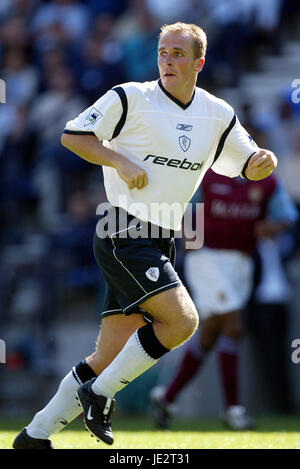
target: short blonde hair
197 34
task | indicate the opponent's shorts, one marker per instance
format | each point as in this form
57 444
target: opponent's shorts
135 263
220 280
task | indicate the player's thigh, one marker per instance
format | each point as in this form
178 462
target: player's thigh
210 330
208 280
232 324
114 332
172 307
220 280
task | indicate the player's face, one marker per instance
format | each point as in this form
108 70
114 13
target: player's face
177 65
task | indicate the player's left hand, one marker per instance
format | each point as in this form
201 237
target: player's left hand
261 165
269 228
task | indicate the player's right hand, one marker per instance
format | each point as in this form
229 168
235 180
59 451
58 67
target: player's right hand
132 174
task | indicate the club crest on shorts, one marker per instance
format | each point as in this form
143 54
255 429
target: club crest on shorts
184 142
92 117
153 274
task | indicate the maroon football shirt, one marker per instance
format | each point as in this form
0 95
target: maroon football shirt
232 206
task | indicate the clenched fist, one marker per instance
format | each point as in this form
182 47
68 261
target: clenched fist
261 165
132 174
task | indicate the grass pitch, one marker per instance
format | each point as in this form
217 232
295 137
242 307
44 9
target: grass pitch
140 433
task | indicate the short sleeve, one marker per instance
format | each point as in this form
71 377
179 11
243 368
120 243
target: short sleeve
281 207
235 148
102 119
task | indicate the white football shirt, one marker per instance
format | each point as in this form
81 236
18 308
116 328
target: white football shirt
175 143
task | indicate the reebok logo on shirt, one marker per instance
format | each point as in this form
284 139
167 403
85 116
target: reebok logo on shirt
173 163
185 127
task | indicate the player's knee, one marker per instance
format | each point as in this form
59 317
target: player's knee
193 322
188 325
207 343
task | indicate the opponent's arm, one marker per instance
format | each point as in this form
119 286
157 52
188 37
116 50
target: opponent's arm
260 165
281 213
91 149
269 228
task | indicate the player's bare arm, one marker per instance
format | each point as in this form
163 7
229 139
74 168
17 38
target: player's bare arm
270 228
261 165
90 149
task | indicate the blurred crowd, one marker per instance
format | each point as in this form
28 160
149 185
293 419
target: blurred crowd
59 56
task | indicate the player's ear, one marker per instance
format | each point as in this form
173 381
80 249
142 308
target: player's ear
199 64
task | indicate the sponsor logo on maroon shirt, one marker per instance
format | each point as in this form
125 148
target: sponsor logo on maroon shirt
232 206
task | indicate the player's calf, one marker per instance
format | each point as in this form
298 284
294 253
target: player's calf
114 333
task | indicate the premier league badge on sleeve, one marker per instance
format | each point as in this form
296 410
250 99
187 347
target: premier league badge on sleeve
252 141
92 117
184 142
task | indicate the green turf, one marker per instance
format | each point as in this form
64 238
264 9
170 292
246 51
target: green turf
139 432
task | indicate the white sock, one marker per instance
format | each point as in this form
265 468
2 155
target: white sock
63 407
130 363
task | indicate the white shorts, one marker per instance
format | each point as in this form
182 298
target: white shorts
220 280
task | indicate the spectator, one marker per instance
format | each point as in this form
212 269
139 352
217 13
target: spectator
283 130
17 194
14 33
59 22
291 170
115 8
75 232
23 8
54 59
267 20
267 321
5 7
21 78
236 25
53 162
103 31
50 109
140 51
100 67
170 11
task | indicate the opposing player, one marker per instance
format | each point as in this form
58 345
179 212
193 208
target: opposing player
236 213
155 141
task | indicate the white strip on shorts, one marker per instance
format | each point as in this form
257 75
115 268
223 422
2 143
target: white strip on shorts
220 280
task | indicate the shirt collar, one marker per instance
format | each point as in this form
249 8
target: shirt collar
175 100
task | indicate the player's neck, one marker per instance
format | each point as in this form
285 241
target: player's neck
184 98
183 95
